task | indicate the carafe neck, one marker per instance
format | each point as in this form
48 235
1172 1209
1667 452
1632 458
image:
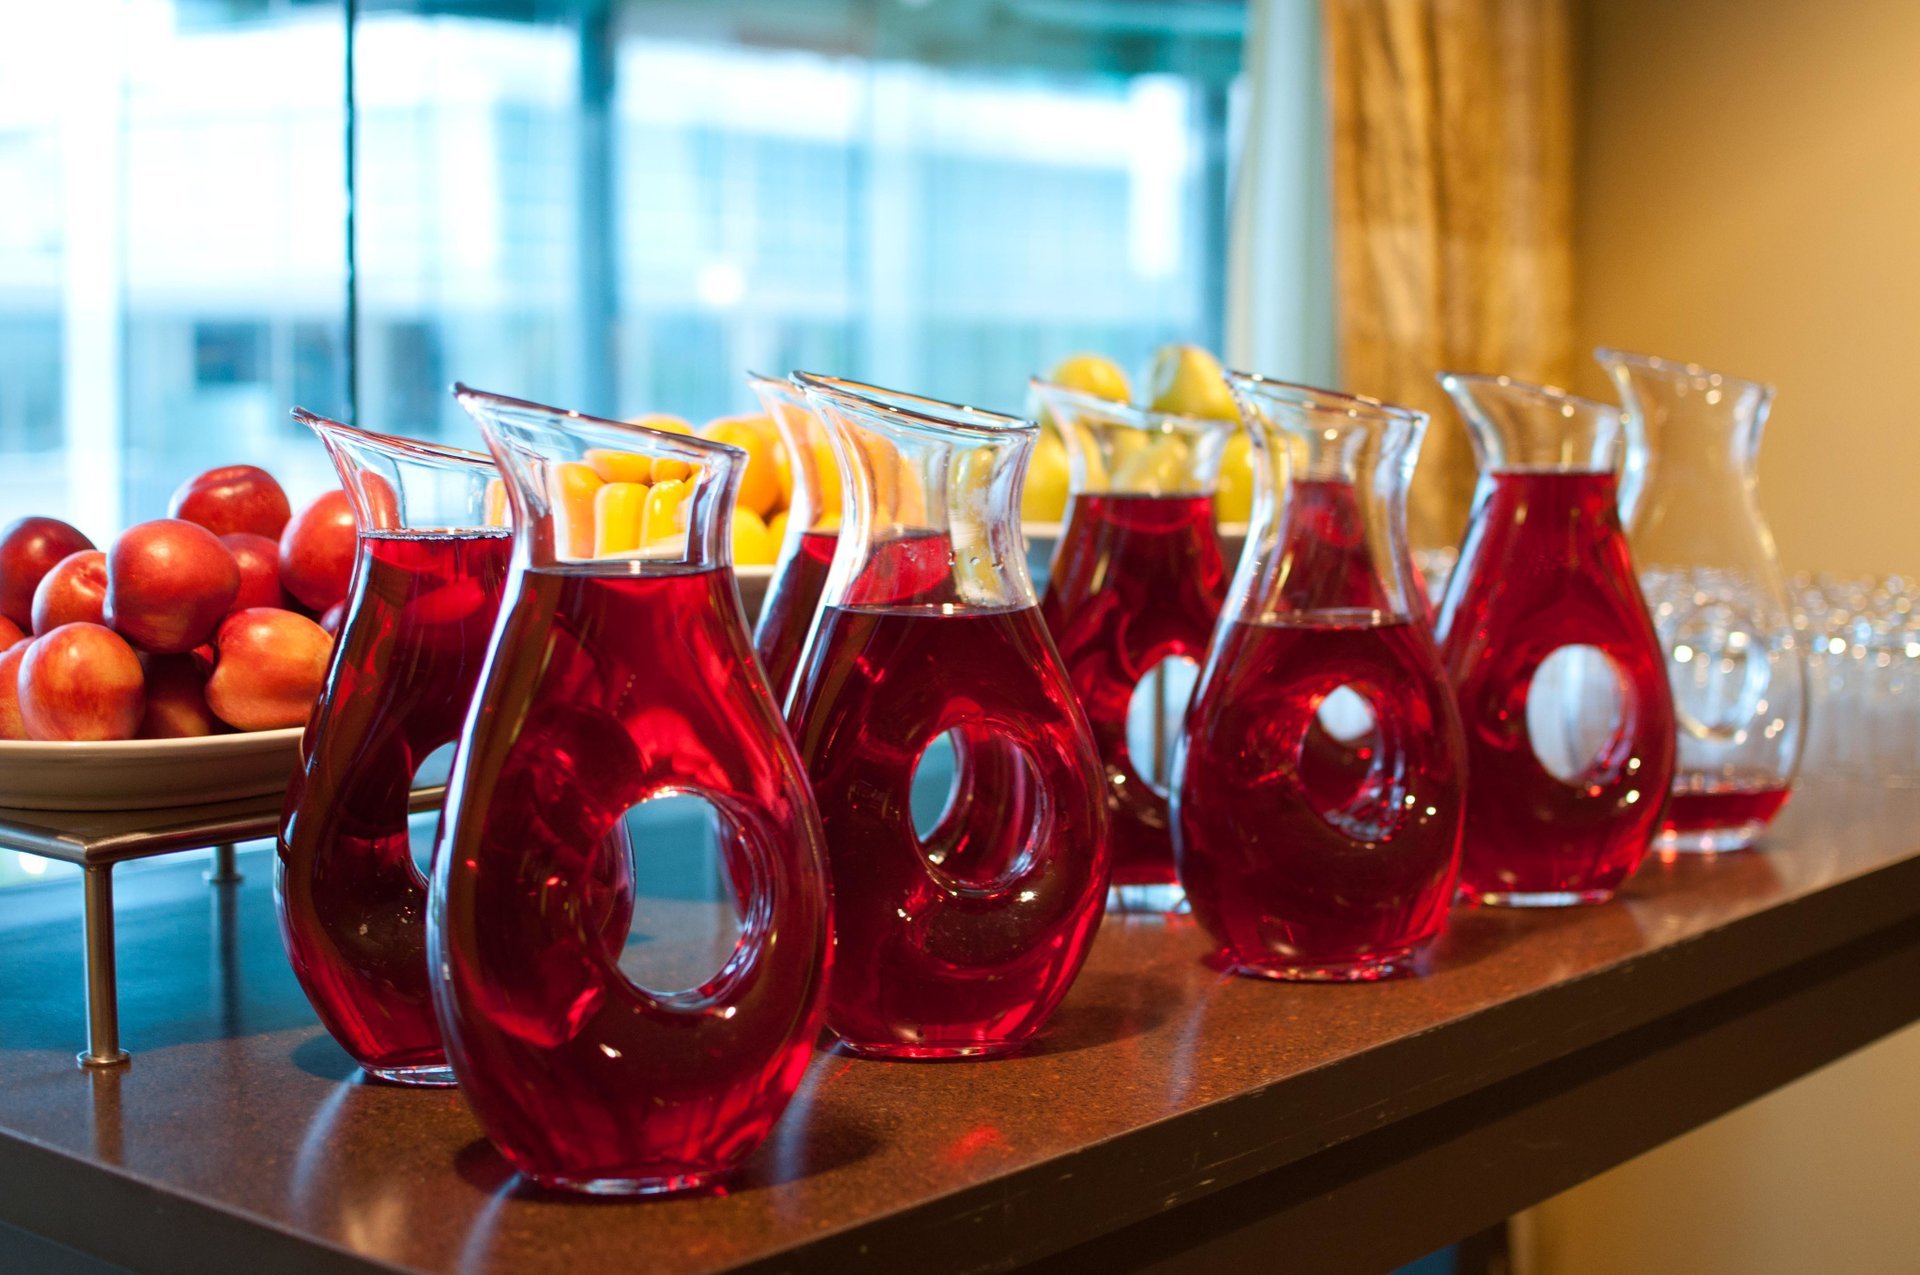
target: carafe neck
931 500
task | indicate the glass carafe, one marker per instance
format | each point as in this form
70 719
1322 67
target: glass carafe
426 590
1318 799
1137 579
1554 661
1713 582
610 681
813 532
959 943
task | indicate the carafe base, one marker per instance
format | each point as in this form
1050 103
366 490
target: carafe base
421 1076
666 1184
1673 842
1367 969
1537 898
894 1052
1138 900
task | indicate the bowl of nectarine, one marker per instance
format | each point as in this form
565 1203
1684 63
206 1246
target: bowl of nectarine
178 665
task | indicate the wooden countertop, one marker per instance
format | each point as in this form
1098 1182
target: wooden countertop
1170 1114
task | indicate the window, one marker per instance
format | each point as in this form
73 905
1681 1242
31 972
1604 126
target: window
619 206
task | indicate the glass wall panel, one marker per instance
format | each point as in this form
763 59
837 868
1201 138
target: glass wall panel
620 206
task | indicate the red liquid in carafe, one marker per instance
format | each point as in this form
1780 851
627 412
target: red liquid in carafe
1701 803
352 905
1136 579
1545 565
606 690
792 600
964 942
1301 868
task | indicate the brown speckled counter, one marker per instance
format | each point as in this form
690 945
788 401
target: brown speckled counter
1170 1115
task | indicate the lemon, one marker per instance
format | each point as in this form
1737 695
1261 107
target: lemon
1188 381
1093 374
1044 498
618 509
1233 502
754 544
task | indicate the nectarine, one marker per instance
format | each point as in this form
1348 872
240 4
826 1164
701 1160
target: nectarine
168 583
176 700
271 668
317 551
76 589
12 725
29 548
259 562
233 498
81 681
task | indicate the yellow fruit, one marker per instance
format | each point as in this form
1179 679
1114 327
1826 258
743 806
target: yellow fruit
572 486
620 467
498 513
777 527
1188 381
1044 499
754 545
666 511
663 421
671 469
1093 374
617 511
760 482
826 484
1157 467
1234 500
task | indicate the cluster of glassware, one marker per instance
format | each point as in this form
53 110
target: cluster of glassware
1318 814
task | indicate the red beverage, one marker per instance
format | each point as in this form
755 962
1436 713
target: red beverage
1741 806
1136 579
964 943
352 906
1328 563
1545 566
1297 868
792 601
606 689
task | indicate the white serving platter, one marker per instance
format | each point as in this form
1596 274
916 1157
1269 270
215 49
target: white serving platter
146 774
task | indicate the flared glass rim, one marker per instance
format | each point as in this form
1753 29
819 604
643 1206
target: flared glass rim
1359 406
916 410
1448 380
1094 405
1699 374
683 444
418 449
781 385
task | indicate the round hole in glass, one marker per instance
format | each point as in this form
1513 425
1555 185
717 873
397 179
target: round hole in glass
1576 713
688 922
1154 714
969 845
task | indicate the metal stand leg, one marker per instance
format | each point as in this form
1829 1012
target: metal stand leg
103 1007
224 871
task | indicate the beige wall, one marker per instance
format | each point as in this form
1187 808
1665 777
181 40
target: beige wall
1748 196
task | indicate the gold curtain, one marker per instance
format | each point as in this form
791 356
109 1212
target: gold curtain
1452 209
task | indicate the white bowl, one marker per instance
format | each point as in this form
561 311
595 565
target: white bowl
146 774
